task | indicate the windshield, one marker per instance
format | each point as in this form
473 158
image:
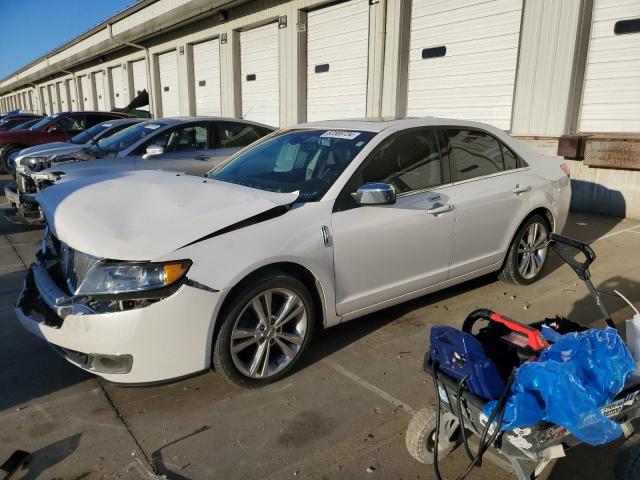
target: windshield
129 136
86 135
25 125
41 123
308 161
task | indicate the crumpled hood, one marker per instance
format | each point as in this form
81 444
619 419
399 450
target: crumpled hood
46 148
143 215
97 166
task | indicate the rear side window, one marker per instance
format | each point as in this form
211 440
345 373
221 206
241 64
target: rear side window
75 123
409 162
232 134
476 154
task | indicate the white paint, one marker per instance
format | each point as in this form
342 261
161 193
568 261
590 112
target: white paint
259 57
475 79
338 36
169 95
98 78
611 96
87 93
206 77
117 87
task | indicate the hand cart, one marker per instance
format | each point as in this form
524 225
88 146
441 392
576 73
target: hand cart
529 450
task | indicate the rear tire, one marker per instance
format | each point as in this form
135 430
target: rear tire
265 330
528 252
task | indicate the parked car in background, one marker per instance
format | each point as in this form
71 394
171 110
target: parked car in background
148 276
34 159
56 128
10 121
190 145
25 124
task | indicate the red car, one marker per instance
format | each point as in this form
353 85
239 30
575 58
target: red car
56 128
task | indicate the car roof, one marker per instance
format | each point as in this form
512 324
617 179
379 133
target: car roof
177 120
378 124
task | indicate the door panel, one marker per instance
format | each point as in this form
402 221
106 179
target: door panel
206 76
384 252
493 196
168 68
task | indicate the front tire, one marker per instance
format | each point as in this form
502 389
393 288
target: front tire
265 330
528 252
5 164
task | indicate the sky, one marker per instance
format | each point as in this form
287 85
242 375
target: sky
31 28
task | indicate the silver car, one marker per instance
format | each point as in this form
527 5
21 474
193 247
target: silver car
191 145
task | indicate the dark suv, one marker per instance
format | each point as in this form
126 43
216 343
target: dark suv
56 128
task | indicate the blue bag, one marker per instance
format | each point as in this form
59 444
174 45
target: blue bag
569 384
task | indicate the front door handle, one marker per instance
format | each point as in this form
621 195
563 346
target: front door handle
440 209
518 189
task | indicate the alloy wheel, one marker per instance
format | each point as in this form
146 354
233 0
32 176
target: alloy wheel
269 333
532 250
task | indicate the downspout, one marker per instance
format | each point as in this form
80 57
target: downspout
75 85
147 61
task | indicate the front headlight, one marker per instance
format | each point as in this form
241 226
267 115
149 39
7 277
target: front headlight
114 278
35 163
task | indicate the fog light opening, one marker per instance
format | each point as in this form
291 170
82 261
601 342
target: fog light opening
110 363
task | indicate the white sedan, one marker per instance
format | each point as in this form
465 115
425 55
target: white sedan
150 276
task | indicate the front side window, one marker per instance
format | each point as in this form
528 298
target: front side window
474 154
187 138
409 162
72 124
307 161
232 134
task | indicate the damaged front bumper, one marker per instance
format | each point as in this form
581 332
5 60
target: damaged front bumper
167 339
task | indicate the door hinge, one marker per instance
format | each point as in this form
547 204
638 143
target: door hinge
326 236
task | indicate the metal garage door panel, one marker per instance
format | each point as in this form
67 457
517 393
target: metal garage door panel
73 97
476 77
64 98
259 74
337 39
44 95
139 72
206 75
611 96
98 79
55 103
117 87
87 93
168 68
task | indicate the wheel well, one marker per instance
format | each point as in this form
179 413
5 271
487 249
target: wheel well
10 147
544 213
293 269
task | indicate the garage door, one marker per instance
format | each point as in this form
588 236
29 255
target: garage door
117 87
139 73
168 68
337 57
87 93
44 95
55 100
259 74
462 59
206 76
64 97
73 97
611 97
98 79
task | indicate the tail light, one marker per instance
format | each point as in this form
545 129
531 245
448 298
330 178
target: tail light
565 168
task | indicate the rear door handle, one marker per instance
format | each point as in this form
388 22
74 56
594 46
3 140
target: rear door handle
518 189
440 209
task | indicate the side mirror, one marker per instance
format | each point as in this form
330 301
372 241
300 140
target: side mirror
375 194
153 151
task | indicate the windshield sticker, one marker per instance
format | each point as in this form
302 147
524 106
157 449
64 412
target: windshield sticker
344 134
152 126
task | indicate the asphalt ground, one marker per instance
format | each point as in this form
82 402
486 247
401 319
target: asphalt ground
342 415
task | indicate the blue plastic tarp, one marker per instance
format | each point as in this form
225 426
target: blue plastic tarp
569 384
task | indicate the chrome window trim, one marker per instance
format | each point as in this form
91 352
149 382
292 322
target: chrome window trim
497 174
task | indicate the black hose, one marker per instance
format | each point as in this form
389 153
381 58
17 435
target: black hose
463 430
